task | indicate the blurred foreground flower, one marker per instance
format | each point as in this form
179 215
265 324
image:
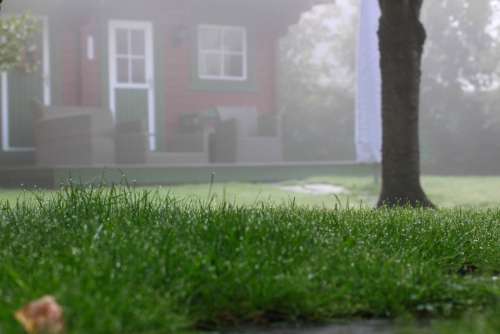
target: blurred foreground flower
42 316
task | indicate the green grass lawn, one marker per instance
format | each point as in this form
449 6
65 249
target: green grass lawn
469 192
124 261
466 192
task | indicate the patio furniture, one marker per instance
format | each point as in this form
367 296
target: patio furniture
76 136
239 138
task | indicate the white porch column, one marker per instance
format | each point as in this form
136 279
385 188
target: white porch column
369 86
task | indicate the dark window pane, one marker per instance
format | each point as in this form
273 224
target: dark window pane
233 40
233 66
138 42
211 65
210 39
138 71
122 41
122 70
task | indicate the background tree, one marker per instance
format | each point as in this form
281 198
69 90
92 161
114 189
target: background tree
460 123
460 91
317 80
15 33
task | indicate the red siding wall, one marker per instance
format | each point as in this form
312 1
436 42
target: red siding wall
82 78
181 97
81 83
70 71
91 68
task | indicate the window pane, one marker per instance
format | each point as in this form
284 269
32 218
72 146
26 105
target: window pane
138 42
122 70
211 65
233 40
122 41
138 71
233 66
210 39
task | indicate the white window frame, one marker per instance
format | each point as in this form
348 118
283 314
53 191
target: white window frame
145 26
223 53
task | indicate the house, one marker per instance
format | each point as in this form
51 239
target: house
146 82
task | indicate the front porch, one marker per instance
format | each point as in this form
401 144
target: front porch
80 136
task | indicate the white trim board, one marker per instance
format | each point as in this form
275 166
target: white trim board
5 113
46 82
47 93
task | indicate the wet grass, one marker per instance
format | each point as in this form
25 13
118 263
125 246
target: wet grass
123 261
446 192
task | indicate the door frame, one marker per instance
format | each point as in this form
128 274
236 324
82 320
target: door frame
147 27
47 95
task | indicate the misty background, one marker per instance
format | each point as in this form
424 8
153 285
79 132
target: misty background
460 102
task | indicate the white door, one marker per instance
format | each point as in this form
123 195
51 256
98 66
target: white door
131 74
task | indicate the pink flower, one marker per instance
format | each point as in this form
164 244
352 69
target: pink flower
42 316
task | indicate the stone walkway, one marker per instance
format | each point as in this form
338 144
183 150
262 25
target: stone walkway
316 189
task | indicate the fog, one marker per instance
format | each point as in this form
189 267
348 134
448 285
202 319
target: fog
459 102
198 166
182 83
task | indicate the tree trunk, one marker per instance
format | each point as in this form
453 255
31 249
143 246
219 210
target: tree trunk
402 38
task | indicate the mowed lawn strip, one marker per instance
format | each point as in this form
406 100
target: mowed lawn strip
123 261
445 191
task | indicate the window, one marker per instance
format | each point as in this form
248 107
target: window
222 53
130 56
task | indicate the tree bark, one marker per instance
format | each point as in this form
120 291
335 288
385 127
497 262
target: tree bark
402 37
